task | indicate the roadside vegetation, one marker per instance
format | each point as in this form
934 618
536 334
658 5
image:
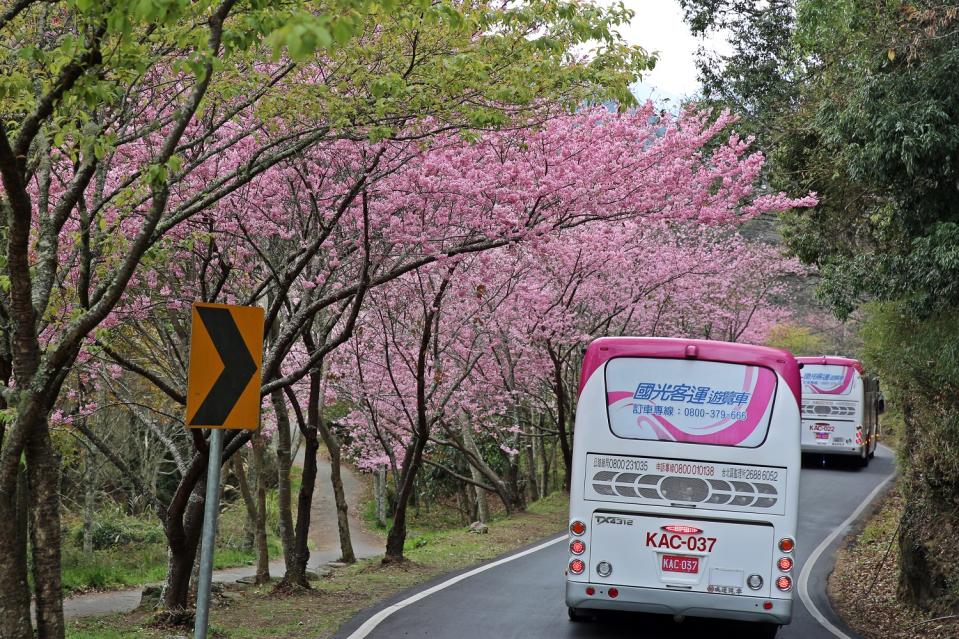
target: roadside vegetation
127 550
864 586
854 100
258 611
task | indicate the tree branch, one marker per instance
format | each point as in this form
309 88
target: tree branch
156 380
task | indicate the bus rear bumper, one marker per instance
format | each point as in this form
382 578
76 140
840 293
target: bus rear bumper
672 602
832 450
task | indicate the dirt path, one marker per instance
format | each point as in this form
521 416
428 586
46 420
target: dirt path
325 545
323 531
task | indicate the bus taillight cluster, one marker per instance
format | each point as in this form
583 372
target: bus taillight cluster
577 547
785 564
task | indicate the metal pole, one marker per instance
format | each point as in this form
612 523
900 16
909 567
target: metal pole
208 539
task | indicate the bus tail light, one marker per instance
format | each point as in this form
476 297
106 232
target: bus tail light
577 547
785 564
590 591
577 528
754 581
786 544
680 529
577 566
604 569
784 583
613 592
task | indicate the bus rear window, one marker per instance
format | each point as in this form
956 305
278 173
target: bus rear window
689 401
827 379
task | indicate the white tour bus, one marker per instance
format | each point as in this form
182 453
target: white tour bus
840 408
685 481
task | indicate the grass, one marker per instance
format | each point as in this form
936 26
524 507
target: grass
128 565
103 633
247 612
138 555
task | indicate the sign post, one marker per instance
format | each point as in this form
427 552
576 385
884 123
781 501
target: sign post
208 538
223 392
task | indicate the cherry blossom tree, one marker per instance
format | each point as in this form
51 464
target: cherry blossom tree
124 120
597 223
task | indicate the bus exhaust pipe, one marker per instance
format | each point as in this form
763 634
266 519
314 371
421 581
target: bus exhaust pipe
679 618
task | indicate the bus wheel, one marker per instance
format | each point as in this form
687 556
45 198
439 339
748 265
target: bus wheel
862 462
766 630
575 615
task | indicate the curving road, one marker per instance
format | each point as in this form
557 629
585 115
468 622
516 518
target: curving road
521 595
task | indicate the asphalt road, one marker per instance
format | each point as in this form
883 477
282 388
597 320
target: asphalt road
523 597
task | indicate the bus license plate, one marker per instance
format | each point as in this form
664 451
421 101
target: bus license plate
678 563
822 435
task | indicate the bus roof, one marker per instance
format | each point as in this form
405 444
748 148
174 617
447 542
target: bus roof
603 349
831 360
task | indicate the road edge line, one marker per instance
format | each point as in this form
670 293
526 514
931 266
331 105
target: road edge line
370 624
821 548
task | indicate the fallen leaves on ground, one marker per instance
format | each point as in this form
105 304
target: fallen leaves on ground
862 587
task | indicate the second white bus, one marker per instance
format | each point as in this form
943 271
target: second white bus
840 408
685 481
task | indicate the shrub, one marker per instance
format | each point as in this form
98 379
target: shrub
111 530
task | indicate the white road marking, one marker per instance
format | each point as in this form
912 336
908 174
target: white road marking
370 624
821 548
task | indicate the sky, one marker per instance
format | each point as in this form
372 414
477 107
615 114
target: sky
658 26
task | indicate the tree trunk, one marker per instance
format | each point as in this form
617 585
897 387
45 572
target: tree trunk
43 476
259 522
920 583
297 441
14 589
482 505
484 476
544 459
283 464
532 490
89 501
339 495
296 570
559 388
396 538
517 487
195 572
379 490
182 553
413 458
555 478
248 501
462 503
472 509
514 490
